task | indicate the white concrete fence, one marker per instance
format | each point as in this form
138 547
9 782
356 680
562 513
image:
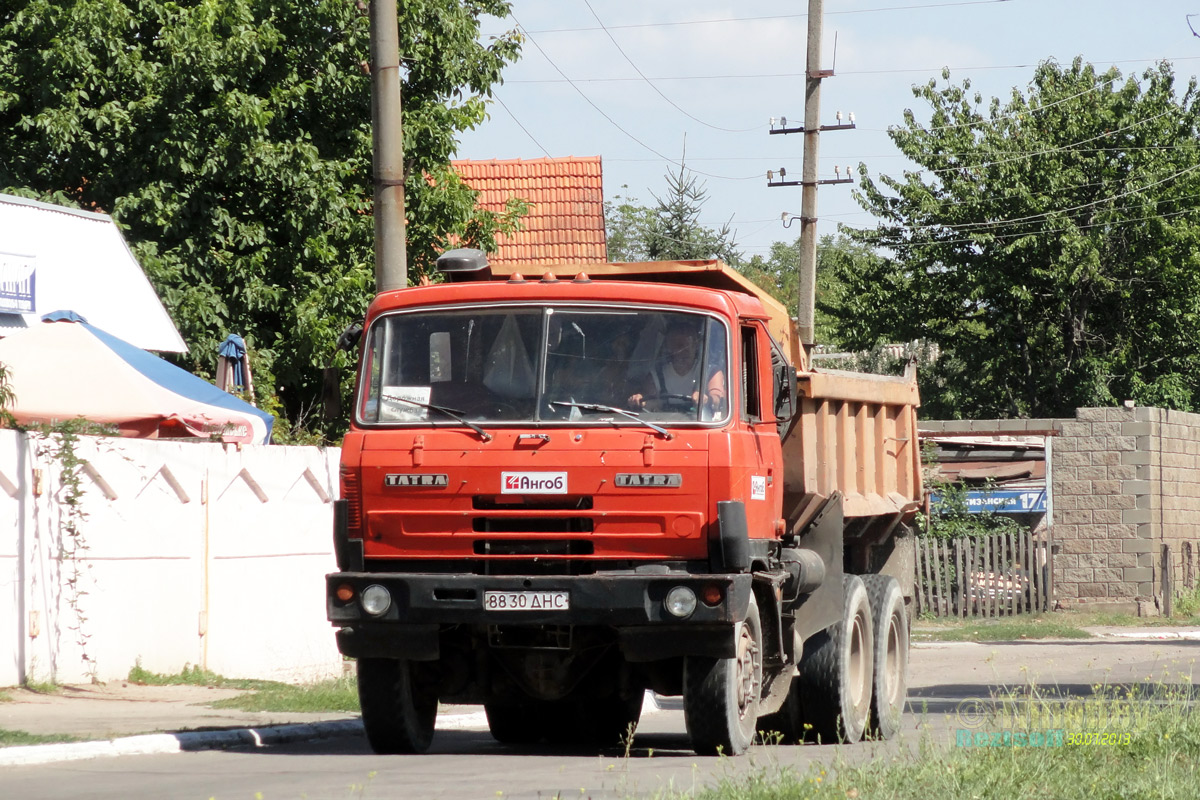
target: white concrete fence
203 554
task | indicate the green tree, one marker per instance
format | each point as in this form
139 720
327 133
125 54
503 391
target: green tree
1047 245
670 230
625 224
231 141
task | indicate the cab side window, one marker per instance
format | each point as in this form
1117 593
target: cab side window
751 397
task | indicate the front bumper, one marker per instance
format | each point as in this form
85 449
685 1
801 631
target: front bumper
630 604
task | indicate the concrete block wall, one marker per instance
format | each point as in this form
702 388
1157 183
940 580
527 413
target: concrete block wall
196 553
1125 482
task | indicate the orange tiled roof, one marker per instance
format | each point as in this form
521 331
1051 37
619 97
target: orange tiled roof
566 207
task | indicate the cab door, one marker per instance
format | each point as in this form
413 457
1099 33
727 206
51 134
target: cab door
764 484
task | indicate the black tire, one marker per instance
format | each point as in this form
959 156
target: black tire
398 709
891 655
833 686
721 695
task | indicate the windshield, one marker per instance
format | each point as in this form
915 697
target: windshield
526 364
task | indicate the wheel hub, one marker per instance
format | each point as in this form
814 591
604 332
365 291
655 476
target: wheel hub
749 674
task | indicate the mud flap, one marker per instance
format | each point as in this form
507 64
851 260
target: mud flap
817 610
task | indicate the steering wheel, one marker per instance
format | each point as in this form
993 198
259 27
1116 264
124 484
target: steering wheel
677 402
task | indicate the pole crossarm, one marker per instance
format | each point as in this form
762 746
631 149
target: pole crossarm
848 126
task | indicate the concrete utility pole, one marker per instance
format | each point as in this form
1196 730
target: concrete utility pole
812 127
391 259
806 313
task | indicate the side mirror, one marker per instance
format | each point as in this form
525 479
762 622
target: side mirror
331 383
348 339
784 390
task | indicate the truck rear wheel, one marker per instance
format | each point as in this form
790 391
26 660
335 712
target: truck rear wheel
721 695
398 712
835 674
891 654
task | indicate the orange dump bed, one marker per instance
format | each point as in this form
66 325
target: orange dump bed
856 433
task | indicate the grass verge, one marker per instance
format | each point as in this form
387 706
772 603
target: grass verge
1153 752
340 694
16 738
337 695
194 676
1008 629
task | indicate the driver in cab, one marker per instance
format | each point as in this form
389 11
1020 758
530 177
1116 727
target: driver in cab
674 384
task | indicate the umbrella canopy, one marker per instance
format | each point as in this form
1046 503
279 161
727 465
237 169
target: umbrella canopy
64 370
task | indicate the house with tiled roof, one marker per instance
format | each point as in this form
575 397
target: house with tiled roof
566 207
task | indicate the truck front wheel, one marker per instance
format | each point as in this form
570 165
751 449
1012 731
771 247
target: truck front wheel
721 695
398 709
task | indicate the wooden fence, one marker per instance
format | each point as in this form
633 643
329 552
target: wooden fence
986 576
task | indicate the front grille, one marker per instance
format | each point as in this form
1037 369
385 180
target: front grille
505 502
533 547
532 524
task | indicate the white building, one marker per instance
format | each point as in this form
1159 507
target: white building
54 258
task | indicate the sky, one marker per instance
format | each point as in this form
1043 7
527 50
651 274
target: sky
637 82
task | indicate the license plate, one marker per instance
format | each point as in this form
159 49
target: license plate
526 601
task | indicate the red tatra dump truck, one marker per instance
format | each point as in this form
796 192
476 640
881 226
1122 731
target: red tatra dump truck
561 490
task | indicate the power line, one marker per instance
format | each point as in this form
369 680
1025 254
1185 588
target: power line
650 83
1047 151
613 122
532 138
724 20
840 73
1016 114
1024 234
1092 204
1042 216
841 159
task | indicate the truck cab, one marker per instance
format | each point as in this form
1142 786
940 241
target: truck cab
560 491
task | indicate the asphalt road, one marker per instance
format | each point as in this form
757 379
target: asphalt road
470 764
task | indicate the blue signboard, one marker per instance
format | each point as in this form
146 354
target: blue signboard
1019 501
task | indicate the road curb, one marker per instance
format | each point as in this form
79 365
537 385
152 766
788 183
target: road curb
1147 635
166 743
188 741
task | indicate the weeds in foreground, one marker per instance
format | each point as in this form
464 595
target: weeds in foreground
1153 750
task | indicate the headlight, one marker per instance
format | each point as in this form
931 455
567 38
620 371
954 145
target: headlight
680 602
376 600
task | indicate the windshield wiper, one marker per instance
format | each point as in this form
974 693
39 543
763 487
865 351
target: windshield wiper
614 410
452 413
